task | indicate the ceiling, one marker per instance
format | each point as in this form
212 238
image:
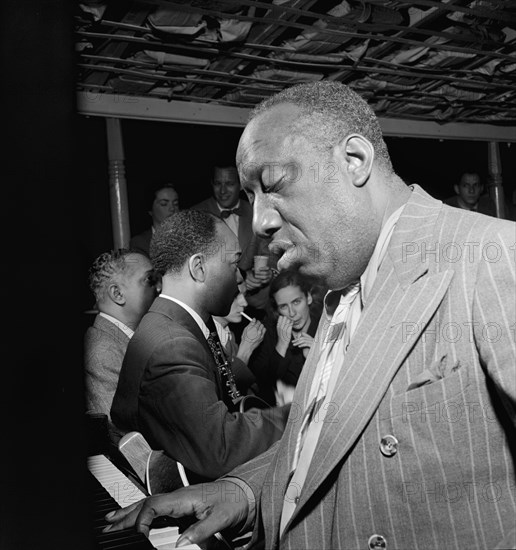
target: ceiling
445 62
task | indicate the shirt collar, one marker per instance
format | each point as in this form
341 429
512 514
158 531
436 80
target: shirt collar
222 331
369 276
123 327
194 314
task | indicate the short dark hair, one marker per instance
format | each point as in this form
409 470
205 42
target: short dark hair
289 277
181 236
330 112
105 268
470 172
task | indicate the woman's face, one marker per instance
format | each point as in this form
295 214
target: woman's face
293 303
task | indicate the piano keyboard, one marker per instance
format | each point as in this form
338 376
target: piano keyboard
122 492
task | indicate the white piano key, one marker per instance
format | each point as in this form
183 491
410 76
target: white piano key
125 492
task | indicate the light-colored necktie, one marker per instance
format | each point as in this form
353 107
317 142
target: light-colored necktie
338 329
336 342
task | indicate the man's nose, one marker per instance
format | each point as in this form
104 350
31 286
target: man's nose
291 311
266 220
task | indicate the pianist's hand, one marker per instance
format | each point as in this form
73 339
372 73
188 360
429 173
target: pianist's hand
218 506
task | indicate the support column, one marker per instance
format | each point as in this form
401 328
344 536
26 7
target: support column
495 178
117 184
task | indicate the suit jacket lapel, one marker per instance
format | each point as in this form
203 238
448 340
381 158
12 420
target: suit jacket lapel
370 366
408 289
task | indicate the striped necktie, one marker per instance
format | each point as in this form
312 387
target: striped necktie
343 323
336 340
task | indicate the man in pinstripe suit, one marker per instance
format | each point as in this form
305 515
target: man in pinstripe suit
414 446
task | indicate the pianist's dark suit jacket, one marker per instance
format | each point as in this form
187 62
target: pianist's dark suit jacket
170 390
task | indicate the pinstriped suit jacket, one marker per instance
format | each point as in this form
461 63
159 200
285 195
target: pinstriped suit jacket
433 363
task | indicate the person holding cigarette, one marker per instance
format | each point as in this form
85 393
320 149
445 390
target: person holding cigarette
238 354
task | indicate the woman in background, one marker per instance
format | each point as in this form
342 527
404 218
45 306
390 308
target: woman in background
238 354
278 361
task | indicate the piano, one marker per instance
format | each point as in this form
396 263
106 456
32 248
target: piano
111 489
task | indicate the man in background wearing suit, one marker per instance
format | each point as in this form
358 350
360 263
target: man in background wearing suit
165 202
173 388
401 433
226 203
124 287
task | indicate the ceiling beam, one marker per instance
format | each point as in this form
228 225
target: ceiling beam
121 106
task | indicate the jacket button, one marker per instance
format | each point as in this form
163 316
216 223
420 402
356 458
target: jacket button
376 541
389 445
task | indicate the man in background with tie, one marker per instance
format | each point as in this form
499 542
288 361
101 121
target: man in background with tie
402 428
176 386
226 203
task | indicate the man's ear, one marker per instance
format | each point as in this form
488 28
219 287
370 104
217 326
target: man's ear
197 267
116 294
456 188
356 155
309 298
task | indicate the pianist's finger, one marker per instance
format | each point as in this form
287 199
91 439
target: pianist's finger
201 531
143 513
124 517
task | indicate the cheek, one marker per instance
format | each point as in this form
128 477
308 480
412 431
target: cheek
161 213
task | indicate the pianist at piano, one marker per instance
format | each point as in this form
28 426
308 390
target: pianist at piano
174 388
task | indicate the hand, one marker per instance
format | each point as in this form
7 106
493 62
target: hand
252 335
302 340
264 274
284 393
257 279
284 330
219 505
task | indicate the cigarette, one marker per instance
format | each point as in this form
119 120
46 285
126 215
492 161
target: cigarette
247 316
